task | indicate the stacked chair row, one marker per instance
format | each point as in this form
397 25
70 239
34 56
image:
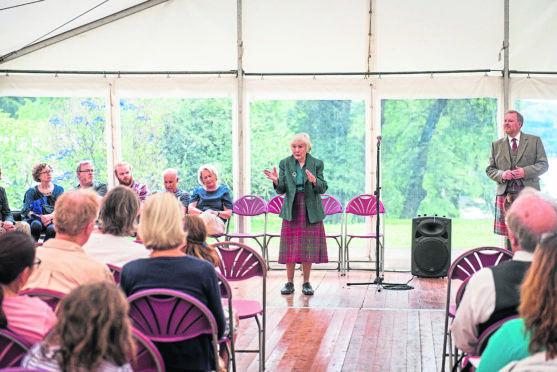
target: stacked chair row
362 206
162 315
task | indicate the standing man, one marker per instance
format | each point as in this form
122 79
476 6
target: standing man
171 179
123 172
86 177
516 161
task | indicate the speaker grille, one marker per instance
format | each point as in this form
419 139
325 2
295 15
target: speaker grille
431 255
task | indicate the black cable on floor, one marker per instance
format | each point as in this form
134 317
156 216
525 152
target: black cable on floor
398 286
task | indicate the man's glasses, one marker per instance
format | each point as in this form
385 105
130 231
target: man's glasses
87 171
38 262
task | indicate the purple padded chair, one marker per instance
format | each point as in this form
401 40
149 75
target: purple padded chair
332 206
273 207
52 298
363 205
115 270
147 357
226 295
12 349
461 269
239 262
250 206
165 315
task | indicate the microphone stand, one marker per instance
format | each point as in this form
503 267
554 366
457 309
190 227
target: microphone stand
378 278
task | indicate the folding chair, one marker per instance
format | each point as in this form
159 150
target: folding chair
147 357
250 206
115 270
165 315
273 207
52 298
332 206
12 349
226 295
363 205
461 269
239 262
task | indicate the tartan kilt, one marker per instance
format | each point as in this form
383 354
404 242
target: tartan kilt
301 241
499 225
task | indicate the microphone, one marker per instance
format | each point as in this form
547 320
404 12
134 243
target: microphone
378 138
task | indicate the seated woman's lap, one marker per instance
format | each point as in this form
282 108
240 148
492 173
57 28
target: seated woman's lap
37 228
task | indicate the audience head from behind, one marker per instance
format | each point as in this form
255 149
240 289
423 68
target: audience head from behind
196 240
530 215
75 215
160 227
93 331
17 259
119 211
538 295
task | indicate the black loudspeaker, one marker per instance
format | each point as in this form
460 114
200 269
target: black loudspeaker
431 246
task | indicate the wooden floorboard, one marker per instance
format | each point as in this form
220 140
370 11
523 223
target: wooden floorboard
346 327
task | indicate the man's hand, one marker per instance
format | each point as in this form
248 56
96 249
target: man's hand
508 175
518 173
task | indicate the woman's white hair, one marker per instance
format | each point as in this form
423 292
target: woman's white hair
302 137
210 168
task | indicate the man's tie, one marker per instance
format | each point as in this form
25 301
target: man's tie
514 144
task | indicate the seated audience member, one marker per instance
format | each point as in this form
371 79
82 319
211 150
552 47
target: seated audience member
28 317
492 293
86 176
65 265
117 223
211 201
93 333
123 173
170 177
7 222
23 227
536 328
168 267
38 202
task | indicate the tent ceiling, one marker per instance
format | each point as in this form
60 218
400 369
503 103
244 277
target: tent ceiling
284 35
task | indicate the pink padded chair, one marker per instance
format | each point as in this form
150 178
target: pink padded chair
250 206
12 349
363 205
52 298
332 206
165 315
226 295
147 357
460 271
115 270
273 207
239 262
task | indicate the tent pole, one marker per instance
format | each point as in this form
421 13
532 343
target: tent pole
241 137
506 60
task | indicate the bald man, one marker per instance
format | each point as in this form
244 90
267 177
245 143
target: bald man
171 179
493 293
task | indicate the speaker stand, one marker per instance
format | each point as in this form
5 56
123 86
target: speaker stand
378 278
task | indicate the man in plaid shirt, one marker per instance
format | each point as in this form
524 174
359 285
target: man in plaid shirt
123 172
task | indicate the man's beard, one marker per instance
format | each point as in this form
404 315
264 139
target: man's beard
125 184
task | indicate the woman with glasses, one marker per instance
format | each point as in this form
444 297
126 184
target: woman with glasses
28 317
532 336
38 203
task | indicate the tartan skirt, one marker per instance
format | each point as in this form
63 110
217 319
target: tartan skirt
301 241
499 225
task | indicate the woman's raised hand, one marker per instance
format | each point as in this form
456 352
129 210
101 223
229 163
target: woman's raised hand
273 176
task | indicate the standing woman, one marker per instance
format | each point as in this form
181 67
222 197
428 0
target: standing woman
38 203
302 237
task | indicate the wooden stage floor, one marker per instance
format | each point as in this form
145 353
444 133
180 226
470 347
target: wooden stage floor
347 328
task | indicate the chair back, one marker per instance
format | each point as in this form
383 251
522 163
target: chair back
486 335
331 205
115 270
12 349
239 262
275 204
147 357
52 298
476 259
249 205
364 205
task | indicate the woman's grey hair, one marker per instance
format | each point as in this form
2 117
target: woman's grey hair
207 167
302 137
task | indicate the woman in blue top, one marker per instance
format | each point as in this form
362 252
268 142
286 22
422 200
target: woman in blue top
211 202
536 328
38 203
